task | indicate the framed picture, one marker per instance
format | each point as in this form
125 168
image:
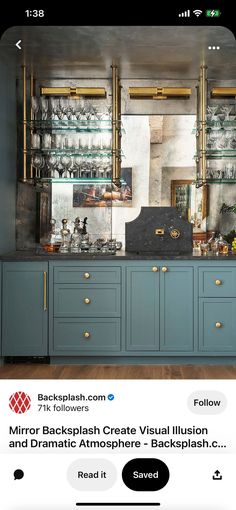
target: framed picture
104 194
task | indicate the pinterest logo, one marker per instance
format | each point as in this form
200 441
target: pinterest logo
19 402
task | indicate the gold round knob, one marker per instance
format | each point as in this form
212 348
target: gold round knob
87 301
155 269
164 269
87 334
218 282
86 276
218 324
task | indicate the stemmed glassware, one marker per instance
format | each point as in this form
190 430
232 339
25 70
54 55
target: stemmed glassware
226 109
211 110
35 106
71 148
52 162
54 108
66 163
38 164
44 107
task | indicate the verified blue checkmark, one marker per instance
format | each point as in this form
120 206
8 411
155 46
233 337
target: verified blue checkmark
111 396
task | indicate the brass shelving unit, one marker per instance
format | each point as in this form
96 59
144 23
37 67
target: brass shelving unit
205 128
113 127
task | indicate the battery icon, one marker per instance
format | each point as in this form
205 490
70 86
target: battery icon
213 13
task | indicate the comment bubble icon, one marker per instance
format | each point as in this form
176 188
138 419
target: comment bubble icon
18 474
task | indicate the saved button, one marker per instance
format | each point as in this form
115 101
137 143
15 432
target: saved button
145 474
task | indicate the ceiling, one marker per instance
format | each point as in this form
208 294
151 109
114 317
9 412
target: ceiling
140 52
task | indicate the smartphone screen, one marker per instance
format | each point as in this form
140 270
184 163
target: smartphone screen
117 260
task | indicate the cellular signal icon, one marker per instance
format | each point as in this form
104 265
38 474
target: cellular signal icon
197 12
185 14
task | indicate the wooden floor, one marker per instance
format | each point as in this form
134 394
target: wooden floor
34 371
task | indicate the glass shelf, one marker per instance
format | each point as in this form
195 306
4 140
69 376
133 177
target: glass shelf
87 126
229 125
221 153
79 180
85 153
220 181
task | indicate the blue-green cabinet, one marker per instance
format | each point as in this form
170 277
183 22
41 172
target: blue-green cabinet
25 309
217 324
159 307
176 307
142 308
124 310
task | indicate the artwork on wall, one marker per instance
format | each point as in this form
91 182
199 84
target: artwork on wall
104 194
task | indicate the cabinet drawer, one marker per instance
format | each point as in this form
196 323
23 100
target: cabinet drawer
217 325
217 282
86 301
77 335
87 275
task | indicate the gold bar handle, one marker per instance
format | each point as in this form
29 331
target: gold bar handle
45 307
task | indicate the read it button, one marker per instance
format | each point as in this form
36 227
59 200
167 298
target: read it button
145 474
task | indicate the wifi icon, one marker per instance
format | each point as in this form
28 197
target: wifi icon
197 12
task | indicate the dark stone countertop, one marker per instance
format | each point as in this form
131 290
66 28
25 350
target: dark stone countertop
40 255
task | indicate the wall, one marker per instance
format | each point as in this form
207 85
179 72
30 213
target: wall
7 157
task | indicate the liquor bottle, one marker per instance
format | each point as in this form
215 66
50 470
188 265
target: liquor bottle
65 237
76 239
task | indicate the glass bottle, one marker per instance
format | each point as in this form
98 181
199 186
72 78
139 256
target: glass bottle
76 239
215 246
65 237
211 240
85 236
50 243
223 246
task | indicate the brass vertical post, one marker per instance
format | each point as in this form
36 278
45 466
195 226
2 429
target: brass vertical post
202 93
31 119
115 126
114 69
198 170
24 123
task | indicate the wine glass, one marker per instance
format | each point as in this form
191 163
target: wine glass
38 164
44 107
52 162
35 106
71 167
226 109
66 163
211 110
54 108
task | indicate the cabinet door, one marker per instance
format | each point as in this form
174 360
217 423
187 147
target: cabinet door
142 309
176 308
24 309
217 324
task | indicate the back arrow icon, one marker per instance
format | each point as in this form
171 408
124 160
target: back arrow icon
18 44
